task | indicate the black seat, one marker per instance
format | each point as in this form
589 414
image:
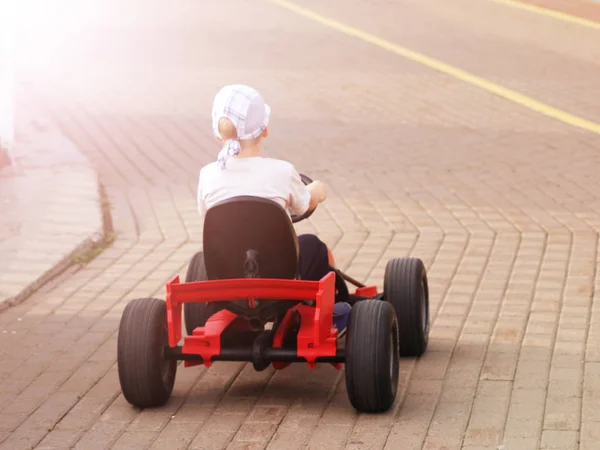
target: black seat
249 236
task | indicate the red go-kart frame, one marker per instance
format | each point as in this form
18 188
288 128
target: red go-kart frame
317 337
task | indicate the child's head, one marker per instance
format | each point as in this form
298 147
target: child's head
240 118
228 131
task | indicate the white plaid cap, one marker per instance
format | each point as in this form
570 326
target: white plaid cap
246 109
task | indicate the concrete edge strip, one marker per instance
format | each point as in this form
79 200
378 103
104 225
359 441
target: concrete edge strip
95 239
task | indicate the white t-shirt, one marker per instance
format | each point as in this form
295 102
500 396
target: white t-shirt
257 176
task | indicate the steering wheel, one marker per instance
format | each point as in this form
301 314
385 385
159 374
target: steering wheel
295 218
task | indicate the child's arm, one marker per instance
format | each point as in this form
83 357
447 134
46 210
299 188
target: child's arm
303 197
318 193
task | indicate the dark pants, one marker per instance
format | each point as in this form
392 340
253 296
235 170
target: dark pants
314 259
314 263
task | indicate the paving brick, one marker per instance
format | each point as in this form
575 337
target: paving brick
102 435
525 414
448 425
235 405
245 446
135 439
85 377
488 416
339 412
51 411
566 381
24 439
563 413
531 373
499 365
268 414
591 393
368 438
255 432
590 435
218 431
9 422
59 439
332 436
527 443
413 422
83 415
564 440
175 435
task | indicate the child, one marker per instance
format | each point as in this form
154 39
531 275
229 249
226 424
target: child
240 118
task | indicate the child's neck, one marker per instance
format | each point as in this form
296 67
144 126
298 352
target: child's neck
250 151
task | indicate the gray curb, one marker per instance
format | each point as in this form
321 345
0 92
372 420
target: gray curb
95 239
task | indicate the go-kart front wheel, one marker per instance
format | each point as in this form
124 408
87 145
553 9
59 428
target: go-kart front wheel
372 356
146 377
405 287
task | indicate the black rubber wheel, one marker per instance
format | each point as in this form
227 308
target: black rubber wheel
146 377
372 356
405 287
195 314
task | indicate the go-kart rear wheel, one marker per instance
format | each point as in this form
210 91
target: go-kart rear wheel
405 287
195 314
372 356
146 377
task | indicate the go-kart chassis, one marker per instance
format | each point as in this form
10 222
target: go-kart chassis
316 338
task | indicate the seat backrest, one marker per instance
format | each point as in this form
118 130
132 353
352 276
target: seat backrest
239 225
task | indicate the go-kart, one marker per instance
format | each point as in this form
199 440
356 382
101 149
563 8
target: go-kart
242 300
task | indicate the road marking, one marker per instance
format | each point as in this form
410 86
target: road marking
432 63
550 13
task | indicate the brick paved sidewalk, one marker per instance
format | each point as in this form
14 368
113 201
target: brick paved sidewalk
51 210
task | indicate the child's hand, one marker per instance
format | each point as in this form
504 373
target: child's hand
317 191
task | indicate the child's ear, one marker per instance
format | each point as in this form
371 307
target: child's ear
265 132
